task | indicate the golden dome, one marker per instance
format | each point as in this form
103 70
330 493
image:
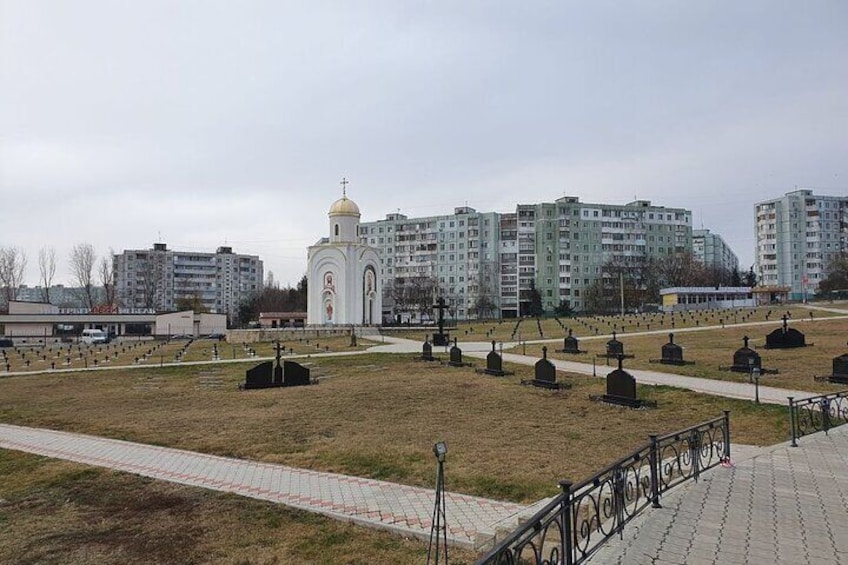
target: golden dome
344 206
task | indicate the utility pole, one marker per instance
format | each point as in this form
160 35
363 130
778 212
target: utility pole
621 279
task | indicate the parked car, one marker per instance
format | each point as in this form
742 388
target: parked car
94 336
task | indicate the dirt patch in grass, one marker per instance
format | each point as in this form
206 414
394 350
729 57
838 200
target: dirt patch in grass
378 416
54 512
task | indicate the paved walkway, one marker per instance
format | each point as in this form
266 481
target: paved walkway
788 506
472 521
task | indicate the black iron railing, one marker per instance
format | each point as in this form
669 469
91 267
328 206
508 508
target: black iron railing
817 413
570 528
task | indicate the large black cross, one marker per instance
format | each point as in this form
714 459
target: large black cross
344 184
441 307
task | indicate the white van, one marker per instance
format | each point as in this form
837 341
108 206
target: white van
94 336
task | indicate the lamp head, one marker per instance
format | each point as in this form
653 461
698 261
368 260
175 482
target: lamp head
440 449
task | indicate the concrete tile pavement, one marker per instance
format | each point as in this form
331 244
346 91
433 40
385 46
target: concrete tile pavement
787 505
407 510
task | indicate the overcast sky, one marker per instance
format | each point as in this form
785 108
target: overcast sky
203 123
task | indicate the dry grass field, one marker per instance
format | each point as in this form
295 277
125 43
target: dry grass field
57 512
377 416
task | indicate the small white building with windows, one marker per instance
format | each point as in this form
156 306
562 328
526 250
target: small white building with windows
343 273
678 299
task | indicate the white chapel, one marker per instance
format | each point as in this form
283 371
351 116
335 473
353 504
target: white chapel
343 274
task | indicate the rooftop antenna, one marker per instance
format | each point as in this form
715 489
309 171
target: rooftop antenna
159 235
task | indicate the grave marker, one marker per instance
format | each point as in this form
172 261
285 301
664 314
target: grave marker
456 356
570 345
785 337
494 363
621 390
672 354
544 373
441 338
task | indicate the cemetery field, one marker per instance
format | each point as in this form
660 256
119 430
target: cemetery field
377 416
36 357
527 329
711 349
54 511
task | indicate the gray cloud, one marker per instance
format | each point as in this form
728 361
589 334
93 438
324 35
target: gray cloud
220 121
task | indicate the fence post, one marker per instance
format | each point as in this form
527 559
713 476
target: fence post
567 543
695 453
825 410
618 500
792 421
727 435
655 482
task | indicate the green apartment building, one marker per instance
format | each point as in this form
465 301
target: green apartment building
563 246
557 248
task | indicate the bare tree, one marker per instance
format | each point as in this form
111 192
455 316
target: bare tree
412 294
107 278
83 260
13 262
47 271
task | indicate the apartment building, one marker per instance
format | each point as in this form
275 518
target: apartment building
454 256
711 250
563 246
797 237
159 278
557 249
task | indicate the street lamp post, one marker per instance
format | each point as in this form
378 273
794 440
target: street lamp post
439 528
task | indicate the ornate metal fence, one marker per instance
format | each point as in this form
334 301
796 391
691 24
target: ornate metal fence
582 517
817 413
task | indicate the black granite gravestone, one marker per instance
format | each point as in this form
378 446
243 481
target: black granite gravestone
260 376
545 374
672 354
570 345
621 389
295 374
427 351
785 337
456 356
621 386
840 370
745 358
494 363
615 349
286 373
